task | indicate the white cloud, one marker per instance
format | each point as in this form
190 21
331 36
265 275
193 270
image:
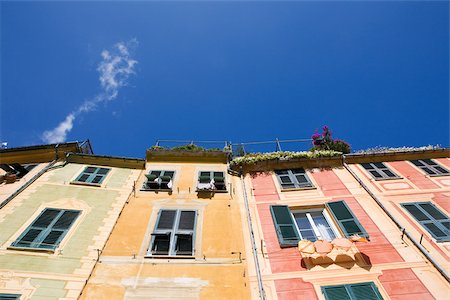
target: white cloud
58 134
115 69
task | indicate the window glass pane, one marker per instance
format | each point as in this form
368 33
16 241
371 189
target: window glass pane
429 162
301 179
298 171
285 179
416 212
97 179
29 237
417 163
90 170
389 173
322 225
376 174
435 230
288 185
440 169
161 244
367 166
83 178
103 171
169 173
337 293
429 208
45 218
166 219
187 220
184 244
282 172
156 173
429 171
379 165
51 238
446 225
303 224
9 297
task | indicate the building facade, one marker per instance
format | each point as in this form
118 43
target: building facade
181 235
55 220
321 234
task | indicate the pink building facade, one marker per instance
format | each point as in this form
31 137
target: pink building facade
342 198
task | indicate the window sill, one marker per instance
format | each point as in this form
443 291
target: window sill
85 183
169 257
299 189
211 191
156 190
438 175
36 250
387 179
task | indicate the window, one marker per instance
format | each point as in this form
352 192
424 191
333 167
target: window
296 178
17 169
357 291
47 231
211 181
159 180
93 175
430 167
431 218
174 233
292 226
314 225
9 297
379 171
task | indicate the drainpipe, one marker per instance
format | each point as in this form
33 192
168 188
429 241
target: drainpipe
397 222
35 177
262 295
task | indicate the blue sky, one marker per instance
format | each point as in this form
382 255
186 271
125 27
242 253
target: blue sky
377 73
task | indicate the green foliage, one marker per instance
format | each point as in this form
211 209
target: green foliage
253 158
189 147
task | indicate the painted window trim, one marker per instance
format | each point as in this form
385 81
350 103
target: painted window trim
173 233
46 231
380 171
348 289
432 220
145 188
437 173
93 175
211 176
294 181
327 216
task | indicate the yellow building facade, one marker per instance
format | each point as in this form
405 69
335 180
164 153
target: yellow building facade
181 235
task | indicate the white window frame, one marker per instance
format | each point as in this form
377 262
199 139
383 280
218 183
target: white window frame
327 216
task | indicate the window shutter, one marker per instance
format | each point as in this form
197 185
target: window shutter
346 219
187 220
284 226
166 219
336 293
365 291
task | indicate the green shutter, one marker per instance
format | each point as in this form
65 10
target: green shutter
47 231
346 219
357 291
284 226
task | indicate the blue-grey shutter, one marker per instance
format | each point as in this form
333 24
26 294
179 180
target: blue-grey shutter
9 297
284 226
431 218
166 219
336 293
365 291
47 231
346 219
